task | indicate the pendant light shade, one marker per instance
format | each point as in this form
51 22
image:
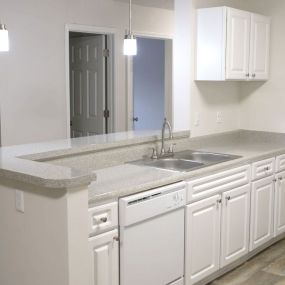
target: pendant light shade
130 45
130 42
4 38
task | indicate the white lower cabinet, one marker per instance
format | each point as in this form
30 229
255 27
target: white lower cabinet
202 239
235 224
262 211
105 258
217 232
279 217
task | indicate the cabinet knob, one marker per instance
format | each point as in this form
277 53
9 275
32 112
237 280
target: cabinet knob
280 178
274 180
228 198
104 220
247 75
266 168
100 220
253 75
116 238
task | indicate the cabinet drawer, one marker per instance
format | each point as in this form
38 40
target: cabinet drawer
263 168
103 218
216 183
280 163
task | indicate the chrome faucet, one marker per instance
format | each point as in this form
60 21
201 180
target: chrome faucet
165 124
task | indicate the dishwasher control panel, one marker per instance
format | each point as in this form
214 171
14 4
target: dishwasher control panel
139 207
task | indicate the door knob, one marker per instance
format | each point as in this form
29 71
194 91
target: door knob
135 119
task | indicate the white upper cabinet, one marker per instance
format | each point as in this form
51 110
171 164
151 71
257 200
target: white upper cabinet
259 47
232 45
238 39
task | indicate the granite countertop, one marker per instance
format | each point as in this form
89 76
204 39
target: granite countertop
25 163
127 179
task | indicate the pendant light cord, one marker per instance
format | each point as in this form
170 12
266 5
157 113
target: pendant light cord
130 18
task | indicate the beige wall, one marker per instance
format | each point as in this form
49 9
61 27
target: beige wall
32 74
262 105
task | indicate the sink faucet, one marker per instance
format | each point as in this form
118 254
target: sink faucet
165 124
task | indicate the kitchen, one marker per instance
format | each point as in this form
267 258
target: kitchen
64 202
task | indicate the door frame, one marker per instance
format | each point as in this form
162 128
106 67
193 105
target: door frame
113 65
168 102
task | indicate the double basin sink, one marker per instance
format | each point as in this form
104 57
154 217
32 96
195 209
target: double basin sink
187 160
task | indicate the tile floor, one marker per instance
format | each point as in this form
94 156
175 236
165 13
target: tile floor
267 268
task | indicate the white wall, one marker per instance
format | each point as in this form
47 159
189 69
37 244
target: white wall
262 105
32 74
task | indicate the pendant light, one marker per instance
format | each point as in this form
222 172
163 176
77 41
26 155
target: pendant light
4 38
130 42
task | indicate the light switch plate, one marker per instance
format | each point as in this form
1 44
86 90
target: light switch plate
19 200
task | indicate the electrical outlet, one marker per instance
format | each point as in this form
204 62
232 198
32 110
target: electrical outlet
19 200
219 119
196 119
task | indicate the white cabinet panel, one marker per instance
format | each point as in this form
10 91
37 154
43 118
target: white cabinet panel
280 163
105 259
259 47
103 218
263 168
235 224
238 37
216 183
202 239
262 203
279 221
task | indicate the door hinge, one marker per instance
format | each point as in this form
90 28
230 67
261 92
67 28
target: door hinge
106 52
106 113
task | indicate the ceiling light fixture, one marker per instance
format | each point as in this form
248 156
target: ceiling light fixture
4 38
130 42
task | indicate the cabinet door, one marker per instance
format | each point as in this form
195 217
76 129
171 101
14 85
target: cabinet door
235 224
259 47
279 221
105 259
238 37
262 203
202 238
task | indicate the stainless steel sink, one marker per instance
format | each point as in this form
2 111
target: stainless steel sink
173 164
207 158
187 160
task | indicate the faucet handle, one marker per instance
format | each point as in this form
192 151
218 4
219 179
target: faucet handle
154 153
171 148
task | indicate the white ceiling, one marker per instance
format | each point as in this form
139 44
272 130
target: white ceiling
164 4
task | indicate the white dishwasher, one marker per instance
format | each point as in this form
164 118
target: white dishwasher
152 237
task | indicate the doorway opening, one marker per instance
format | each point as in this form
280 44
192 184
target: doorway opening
90 83
151 83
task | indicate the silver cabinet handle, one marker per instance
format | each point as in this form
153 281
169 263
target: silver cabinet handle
266 168
219 201
228 198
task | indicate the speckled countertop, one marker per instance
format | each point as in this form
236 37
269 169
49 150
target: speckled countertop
24 163
126 179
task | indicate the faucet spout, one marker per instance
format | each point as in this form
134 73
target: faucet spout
167 124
